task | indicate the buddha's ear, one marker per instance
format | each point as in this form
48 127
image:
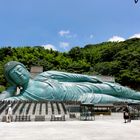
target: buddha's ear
10 81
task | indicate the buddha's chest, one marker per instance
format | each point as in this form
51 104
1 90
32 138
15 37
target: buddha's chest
43 90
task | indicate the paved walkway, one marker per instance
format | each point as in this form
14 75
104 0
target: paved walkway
71 130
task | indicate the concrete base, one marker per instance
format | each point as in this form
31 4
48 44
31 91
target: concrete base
71 130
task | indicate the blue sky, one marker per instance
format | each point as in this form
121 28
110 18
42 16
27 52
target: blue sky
63 24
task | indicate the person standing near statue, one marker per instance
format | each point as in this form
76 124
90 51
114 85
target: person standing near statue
126 115
9 114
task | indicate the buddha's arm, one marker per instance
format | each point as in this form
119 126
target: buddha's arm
67 77
17 98
8 93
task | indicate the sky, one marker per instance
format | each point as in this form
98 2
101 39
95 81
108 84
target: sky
63 24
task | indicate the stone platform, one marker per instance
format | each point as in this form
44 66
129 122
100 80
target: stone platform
71 130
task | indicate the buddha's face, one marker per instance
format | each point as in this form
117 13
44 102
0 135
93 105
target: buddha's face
19 75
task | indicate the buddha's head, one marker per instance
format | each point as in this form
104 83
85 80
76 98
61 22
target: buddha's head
16 73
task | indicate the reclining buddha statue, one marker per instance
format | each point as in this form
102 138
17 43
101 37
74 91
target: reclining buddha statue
63 86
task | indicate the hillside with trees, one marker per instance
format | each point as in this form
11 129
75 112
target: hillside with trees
118 59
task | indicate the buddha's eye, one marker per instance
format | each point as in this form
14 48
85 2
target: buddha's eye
19 69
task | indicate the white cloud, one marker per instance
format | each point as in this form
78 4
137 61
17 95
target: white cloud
64 32
116 39
135 36
49 46
91 36
64 45
67 34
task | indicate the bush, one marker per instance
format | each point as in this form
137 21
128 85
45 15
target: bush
2 88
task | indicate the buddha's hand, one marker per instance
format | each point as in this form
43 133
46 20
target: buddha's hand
8 93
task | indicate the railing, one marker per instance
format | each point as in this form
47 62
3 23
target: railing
57 118
22 118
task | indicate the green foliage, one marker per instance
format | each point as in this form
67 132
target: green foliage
2 88
118 59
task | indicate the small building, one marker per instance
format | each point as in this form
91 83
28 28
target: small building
35 70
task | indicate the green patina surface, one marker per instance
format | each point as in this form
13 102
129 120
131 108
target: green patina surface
62 86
